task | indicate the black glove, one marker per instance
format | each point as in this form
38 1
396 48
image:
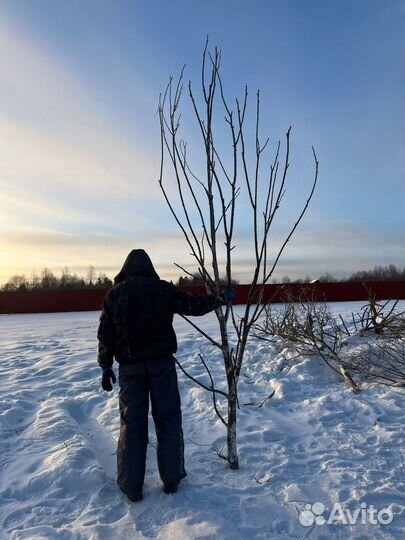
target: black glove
105 380
228 295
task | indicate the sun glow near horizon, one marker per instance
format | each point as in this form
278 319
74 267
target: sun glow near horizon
79 135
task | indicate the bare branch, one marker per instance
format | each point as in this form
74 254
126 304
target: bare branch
210 389
214 399
196 327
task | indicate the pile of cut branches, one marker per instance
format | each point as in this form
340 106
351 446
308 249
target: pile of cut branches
347 349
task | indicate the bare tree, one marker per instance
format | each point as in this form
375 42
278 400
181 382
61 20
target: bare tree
206 208
311 329
379 360
91 275
18 282
48 279
378 316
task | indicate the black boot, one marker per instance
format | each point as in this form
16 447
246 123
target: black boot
170 488
135 497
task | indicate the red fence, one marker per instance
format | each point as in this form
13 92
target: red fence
48 301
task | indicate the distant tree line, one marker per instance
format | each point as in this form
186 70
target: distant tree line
189 281
67 280
378 273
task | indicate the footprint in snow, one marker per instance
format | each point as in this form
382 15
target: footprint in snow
97 438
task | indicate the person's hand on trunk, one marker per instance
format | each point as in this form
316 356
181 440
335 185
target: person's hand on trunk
228 295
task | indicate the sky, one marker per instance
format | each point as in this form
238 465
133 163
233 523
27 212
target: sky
80 136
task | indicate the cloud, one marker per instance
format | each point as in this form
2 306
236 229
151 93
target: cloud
340 248
74 188
336 247
77 187
58 147
28 249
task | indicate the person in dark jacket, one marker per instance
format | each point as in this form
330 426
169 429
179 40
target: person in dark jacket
136 329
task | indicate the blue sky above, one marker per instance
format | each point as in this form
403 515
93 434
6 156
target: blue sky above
79 134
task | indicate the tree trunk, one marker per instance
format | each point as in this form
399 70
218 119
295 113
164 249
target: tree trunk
232 455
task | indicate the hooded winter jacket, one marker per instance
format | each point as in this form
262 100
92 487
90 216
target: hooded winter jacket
136 323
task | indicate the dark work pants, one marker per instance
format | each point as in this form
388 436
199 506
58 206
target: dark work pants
157 379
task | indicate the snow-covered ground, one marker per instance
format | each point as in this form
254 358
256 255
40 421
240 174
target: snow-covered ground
312 443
